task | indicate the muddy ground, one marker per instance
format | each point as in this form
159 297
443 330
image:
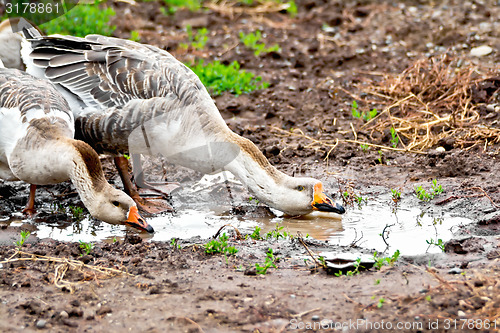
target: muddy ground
331 53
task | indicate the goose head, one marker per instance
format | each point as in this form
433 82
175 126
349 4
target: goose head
103 201
115 207
301 195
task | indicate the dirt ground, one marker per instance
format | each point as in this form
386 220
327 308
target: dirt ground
402 59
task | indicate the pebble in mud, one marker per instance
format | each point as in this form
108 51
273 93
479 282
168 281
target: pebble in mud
455 270
41 323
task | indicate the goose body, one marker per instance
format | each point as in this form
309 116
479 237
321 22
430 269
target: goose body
11 45
130 97
37 146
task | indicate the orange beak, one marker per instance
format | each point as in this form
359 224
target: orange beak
324 203
135 220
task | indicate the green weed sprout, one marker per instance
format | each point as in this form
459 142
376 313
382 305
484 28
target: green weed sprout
394 138
256 234
24 236
134 36
270 262
174 5
366 115
382 261
439 243
77 212
86 247
82 20
220 246
251 40
423 195
197 40
278 233
396 195
380 302
219 78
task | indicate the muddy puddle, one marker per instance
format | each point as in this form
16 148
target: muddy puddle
378 223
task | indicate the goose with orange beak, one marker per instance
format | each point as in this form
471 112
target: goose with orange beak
37 147
136 98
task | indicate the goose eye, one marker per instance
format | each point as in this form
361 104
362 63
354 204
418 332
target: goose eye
115 203
300 188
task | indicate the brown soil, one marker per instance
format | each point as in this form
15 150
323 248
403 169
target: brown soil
331 53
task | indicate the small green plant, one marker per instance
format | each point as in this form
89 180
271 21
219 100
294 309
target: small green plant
57 207
256 234
364 147
251 40
278 233
394 138
24 236
115 240
86 247
436 189
382 261
360 200
219 78
366 115
270 262
322 261
357 265
220 246
175 243
174 5
380 158
82 20
396 195
292 8
377 282
134 36
380 302
77 212
428 298
250 199
423 195
439 243
350 197
354 110
197 40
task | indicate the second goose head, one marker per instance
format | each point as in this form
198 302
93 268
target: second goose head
103 201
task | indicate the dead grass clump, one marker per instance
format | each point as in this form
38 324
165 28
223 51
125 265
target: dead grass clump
434 99
63 266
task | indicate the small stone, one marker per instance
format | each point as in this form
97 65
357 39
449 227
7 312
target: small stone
455 270
63 314
460 313
497 108
440 149
490 107
41 323
481 51
315 318
104 310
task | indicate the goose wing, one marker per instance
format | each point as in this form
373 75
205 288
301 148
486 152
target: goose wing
32 97
99 72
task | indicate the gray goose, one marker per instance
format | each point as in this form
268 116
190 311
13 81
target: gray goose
37 146
131 97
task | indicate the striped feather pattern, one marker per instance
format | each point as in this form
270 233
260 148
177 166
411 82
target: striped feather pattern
21 90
